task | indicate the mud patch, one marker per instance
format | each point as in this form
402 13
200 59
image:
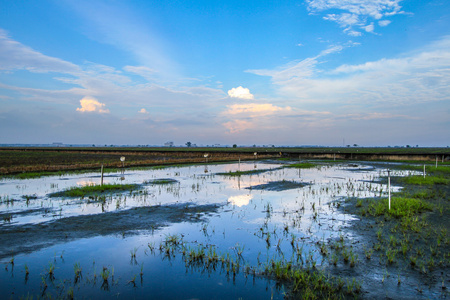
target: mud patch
29 237
161 181
278 186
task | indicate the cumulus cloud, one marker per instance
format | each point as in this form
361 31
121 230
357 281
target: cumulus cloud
241 93
90 104
143 111
356 12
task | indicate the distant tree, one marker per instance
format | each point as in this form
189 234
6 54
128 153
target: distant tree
355 145
188 144
408 146
234 146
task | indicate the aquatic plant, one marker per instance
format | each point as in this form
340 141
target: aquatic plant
94 190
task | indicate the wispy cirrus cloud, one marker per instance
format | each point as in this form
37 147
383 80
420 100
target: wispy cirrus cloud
355 15
16 56
419 77
298 70
115 23
254 109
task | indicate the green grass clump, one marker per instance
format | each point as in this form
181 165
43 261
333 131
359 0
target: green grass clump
162 181
301 165
250 172
311 283
428 180
32 175
94 190
400 207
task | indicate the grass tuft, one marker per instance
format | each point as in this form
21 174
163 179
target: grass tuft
94 190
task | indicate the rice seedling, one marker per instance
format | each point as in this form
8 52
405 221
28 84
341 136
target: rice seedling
413 260
70 293
391 255
77 270
368 253
353 259
132 281
105 274
334 259
51 270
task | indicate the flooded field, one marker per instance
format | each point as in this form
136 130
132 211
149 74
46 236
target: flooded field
192 232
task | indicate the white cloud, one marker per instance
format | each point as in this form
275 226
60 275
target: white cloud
344 20
142 71
14 55
90 104
356 12
143 111
254 109
297 70
384 23
241 93
369 28
236 126
419 77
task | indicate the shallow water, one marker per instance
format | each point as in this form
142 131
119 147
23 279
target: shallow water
263 224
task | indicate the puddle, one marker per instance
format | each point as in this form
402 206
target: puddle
253 218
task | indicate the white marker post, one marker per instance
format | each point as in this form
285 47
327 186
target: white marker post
206 162
389 187
122 159
423 171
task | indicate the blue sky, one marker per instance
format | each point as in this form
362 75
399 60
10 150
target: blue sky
312 72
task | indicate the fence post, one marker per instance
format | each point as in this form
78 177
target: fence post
389 187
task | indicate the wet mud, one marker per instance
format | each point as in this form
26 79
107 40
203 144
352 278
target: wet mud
27 238
278 186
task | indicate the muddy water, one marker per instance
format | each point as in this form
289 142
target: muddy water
252 218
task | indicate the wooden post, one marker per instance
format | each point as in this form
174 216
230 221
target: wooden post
389 188
101 183
423 171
